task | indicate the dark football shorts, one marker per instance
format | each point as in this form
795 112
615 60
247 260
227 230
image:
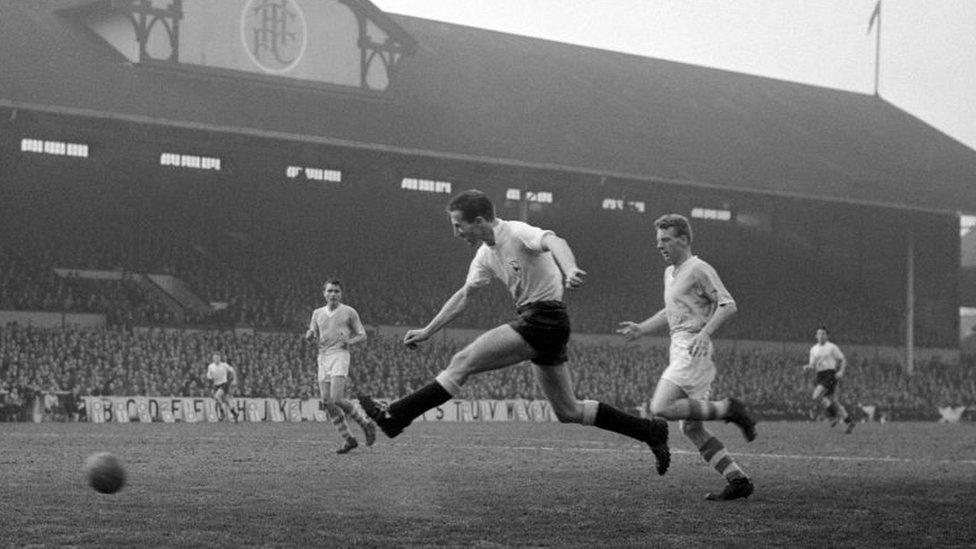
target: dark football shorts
827 378
225 386
544 325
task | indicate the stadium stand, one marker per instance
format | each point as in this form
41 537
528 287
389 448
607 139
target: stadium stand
166 362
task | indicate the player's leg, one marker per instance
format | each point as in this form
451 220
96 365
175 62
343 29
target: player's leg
713 452
824 409
496 348
229 405
826 404
672 402
338 396
337 416
557 384
221 400
841 411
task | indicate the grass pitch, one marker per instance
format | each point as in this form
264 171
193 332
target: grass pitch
486 485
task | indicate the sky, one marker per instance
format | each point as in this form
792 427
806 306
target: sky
928 47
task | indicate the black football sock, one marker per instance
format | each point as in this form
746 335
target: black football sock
618 421
413 405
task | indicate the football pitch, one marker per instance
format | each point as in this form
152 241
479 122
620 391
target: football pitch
486 485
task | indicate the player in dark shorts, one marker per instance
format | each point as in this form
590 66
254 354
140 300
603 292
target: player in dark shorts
223 377
830 364
536 266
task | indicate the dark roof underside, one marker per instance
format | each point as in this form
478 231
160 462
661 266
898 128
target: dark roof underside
472 93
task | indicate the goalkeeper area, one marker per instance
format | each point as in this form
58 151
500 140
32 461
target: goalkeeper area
487 485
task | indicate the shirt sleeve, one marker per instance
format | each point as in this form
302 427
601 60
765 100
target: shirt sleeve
530 236
355 323
479 273
713 286
311 323
209 372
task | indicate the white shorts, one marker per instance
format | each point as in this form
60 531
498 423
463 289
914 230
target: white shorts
693 374
333 364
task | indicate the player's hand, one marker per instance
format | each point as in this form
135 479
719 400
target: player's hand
414 337
574 278
700 345
807 366
630 330
310 335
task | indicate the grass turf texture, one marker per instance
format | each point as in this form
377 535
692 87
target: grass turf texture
482 484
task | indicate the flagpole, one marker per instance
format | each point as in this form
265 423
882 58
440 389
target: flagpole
877 53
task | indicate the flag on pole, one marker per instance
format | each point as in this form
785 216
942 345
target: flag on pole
874 16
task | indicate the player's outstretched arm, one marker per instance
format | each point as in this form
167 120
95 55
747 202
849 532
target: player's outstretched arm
451 309
633 330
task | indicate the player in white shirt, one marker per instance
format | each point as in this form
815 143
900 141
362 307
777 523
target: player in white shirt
829 363
334 328
696 303
536 266
223 377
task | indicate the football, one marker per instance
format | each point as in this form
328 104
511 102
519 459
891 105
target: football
104 472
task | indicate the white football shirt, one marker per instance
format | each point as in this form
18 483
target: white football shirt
826 356
518 260
219 372
334 327
692 292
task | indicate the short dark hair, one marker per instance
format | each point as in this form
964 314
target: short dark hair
680 223
332 280
472 203
824 328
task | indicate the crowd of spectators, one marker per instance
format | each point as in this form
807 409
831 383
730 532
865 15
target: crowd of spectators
164 362
265 271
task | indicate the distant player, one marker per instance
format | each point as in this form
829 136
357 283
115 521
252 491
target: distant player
335 327
223 377
536 266
696 303
830 364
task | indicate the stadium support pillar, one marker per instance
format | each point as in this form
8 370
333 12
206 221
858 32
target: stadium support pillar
910 300
524 206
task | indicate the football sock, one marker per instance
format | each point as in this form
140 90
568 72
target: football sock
618 421
686 408
713 452
705 410
416 403
339 420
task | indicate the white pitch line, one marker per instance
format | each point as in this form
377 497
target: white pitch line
886 459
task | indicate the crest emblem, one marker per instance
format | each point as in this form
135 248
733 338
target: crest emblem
274 33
